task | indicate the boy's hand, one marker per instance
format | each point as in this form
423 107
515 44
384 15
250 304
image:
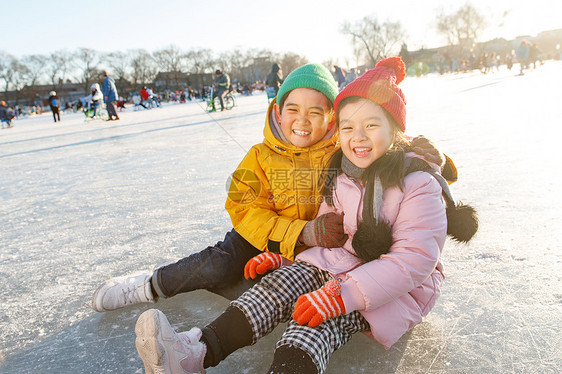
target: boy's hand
319 306
325 231
424 147
261 264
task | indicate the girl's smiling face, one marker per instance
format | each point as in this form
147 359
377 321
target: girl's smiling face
366 133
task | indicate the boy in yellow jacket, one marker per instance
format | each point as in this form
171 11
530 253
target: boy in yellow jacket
272 201
273 195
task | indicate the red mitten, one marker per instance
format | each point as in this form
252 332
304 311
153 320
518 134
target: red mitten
319 306
261 264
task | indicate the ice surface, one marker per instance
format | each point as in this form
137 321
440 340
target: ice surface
82 202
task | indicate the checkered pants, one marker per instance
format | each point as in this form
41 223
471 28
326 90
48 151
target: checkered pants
272 301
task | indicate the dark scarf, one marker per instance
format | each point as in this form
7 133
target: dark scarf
369 210
373 236
350 169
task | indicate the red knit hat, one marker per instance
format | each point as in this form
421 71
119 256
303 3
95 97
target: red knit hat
380 85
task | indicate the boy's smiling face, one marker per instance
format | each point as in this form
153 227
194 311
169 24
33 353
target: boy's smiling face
305 117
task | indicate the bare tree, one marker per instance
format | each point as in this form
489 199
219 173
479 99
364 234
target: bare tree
58 65
200 61
234 63
169 59
143 67
256 64
87 61
290 61
6 72
226 62
119 63
14 74
377 40
461 27
36 66
19 76
357 52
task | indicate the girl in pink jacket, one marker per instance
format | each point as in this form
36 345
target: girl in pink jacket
397 211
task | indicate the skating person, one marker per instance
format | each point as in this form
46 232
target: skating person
274 78
340 77
383 280
6 114
54 103
222 84
275 193
522 54
110 96
96 98
146 100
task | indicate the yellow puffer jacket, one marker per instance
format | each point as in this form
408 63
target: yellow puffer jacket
275 190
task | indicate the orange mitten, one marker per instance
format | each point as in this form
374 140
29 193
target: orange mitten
261 264
319 306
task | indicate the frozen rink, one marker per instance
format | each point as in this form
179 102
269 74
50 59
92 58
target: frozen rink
85 201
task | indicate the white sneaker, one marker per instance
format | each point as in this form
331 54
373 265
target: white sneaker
122 291
164 351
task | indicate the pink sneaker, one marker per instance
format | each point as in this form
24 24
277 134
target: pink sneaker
162 350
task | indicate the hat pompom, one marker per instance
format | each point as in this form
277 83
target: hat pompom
396 64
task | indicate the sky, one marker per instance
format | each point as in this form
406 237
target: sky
308 28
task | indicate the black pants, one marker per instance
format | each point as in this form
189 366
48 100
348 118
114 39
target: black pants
56 113
220 94
218 269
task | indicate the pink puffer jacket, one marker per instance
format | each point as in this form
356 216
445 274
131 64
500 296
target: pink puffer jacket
394 292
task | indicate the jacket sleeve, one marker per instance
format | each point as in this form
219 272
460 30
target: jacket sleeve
105 87
418 236
253 213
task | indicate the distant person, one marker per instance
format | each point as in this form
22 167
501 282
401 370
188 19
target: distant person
351 76
222 85
274 78
339 74
110 96
54 103
522 54
6 114
137 101
146 99
121 104
509 60
534 55
95 99
154 98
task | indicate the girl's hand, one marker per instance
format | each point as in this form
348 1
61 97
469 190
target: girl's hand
319 306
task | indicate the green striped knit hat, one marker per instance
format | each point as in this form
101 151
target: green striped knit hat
313 76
